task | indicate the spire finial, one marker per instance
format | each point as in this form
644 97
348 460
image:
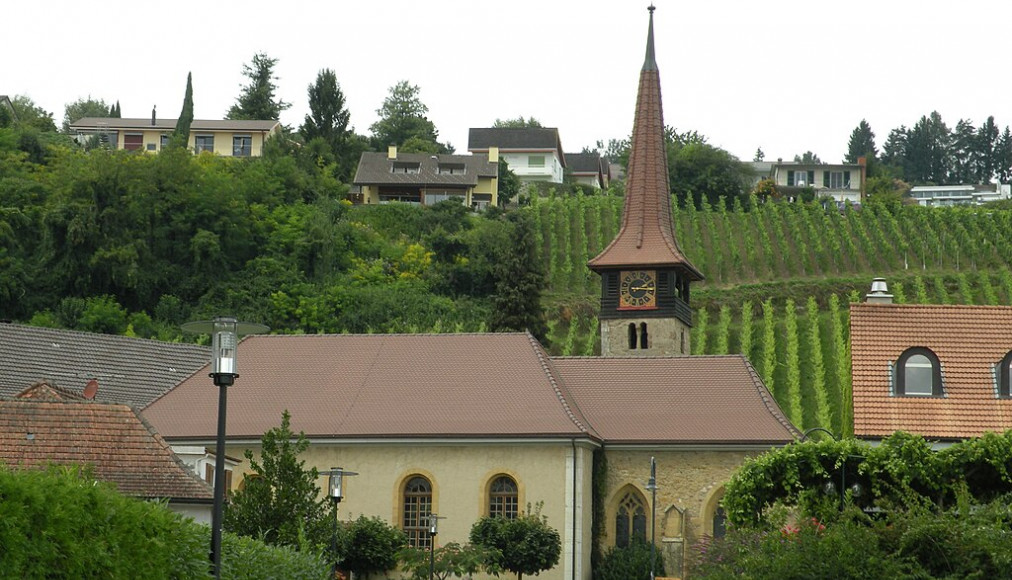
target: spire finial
649 63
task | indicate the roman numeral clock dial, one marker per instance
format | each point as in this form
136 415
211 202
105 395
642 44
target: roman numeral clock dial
638 289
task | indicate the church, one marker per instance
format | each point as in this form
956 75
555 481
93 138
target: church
467 425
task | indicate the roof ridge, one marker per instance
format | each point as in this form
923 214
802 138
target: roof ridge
545 361
73 331
172 454
769 401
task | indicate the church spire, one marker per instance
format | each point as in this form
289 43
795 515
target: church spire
646 238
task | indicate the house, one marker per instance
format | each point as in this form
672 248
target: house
946 195
467 425
5 102
45 426
940 371
533 153
130 371
842 181
588 169
421 178
221 137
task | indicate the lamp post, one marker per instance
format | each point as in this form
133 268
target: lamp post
856 488
225 332
652 486
433 530
335 491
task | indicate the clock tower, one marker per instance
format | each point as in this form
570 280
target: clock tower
645 276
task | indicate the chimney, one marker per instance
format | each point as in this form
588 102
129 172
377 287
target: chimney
392 152
879 293
863 162
90 390
153 115
493 154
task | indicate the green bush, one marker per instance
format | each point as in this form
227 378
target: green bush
629 563
61 523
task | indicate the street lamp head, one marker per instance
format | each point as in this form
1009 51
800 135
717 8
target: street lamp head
335 481
433 524
225 332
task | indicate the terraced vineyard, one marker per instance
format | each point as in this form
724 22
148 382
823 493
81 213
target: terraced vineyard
780 279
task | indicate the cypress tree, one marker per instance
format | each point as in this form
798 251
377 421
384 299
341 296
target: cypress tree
181 135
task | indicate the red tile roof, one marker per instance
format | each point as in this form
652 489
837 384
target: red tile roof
683 400
646 237
472 386
968 340
111 438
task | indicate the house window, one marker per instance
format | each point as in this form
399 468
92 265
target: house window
133 141
644 343
402 167
450 169
163 141
503 498
1004 376
719 523
242 145
630 519
918 373
836 179
632 336
416 509
800 178
203 143
535 160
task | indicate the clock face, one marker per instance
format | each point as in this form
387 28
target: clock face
638 289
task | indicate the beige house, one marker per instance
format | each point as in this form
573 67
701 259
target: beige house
427 179
221 137
841 181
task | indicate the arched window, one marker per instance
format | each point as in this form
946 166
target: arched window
719 522
417 507
630 519
644 343
918 373
1004 376
632 336
503 498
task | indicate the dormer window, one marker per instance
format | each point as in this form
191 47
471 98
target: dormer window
918 373
1004 377
450 169
404 167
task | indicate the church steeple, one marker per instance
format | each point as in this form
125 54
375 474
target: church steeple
645 275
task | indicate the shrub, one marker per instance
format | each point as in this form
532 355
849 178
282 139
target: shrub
629 563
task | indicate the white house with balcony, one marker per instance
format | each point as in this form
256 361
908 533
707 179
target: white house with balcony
841 181
533 153
961 194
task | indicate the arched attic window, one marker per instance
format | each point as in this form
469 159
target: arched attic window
918 373
1004 377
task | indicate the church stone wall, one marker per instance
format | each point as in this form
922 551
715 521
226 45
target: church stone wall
666 337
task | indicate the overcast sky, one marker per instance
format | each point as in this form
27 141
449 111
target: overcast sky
787 76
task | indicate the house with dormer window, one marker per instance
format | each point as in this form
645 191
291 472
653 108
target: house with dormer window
426 179
939 371
533 153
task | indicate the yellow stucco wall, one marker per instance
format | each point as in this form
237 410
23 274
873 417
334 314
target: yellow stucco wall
460 474
222 140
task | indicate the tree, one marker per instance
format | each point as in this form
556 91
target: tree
281 502
928 144
525 545
519 280
181 135
257 100
1003 155
509 183
451 560
328 118
963 152
370 546
698 171
894 151
759 155
115 112
401 117
31 115
518 123
985 149
861 144
82 108
808 158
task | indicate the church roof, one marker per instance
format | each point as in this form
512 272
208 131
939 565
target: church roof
500 385
112 439
684 400
132 371
646 237
381 385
